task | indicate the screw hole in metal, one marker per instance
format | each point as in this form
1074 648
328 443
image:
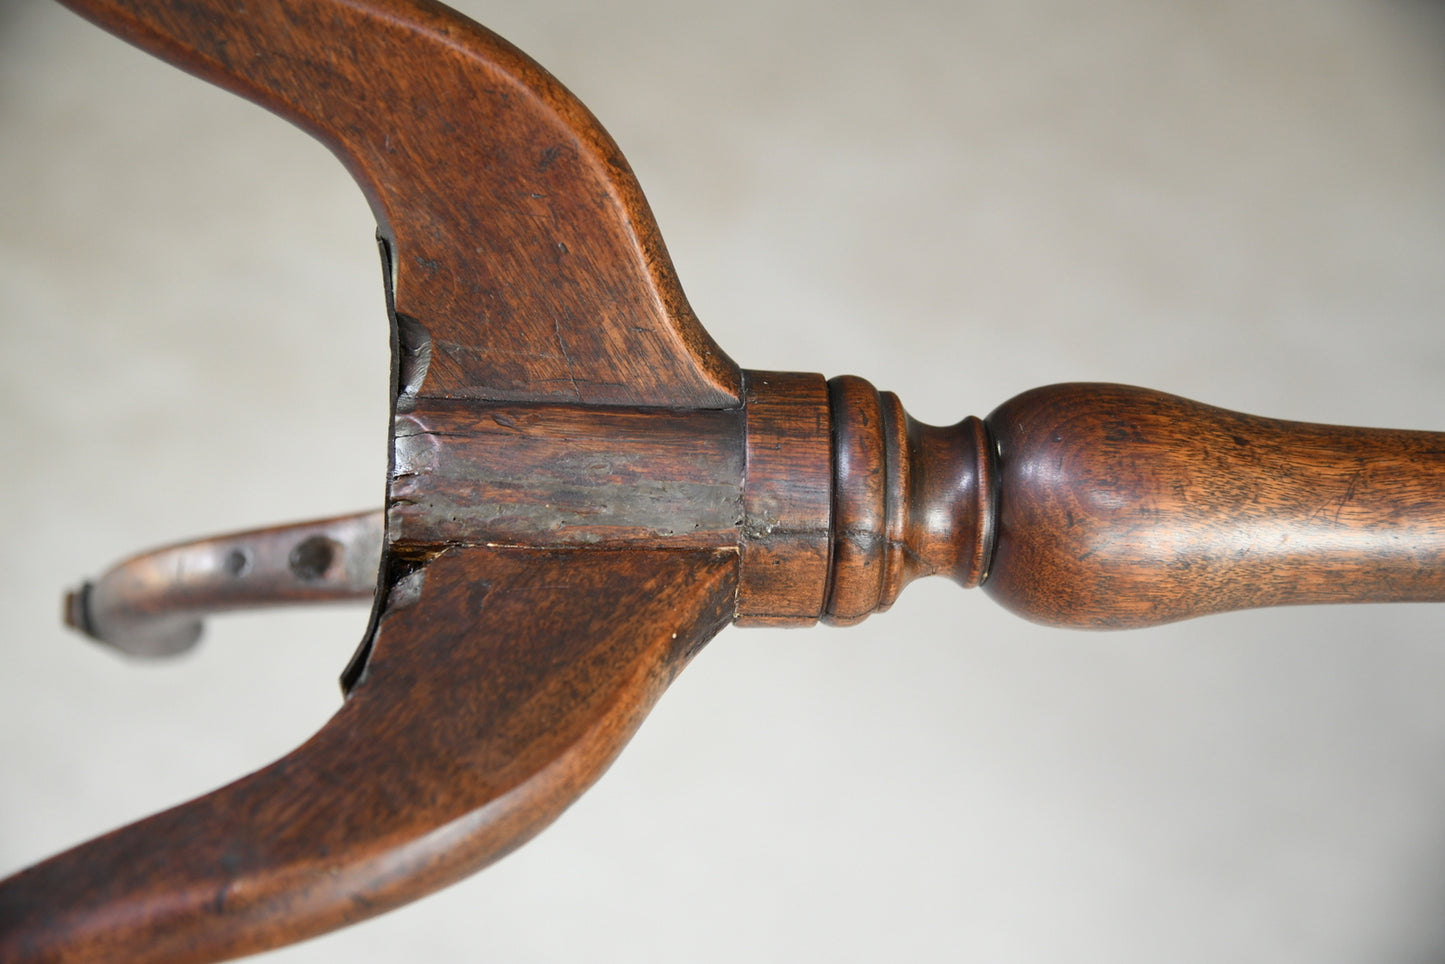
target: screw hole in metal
310 560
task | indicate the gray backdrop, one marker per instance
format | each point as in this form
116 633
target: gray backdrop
1239 202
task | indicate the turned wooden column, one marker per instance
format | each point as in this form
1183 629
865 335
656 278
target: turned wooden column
847 498
909 500
1121 507
583 488
1084 505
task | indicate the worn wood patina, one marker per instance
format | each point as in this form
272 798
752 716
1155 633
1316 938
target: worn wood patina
584 489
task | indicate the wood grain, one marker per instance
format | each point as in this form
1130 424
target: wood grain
910 500
787 500
521 243
500 685
549 475
576 470
1123 507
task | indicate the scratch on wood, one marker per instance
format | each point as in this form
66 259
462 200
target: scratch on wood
562 347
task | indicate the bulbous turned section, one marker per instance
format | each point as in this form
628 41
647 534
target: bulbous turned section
909 500
1122 507
1110 507
1082 505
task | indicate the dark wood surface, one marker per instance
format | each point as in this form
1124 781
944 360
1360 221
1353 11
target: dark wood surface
500 684
909 500
784 548
1120 507
464 145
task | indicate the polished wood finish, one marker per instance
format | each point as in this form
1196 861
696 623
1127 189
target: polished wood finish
1121 507
522 266
1094 506
500 685
910 500
583 489
787 500
521 242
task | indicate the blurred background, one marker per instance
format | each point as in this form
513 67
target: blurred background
1239 202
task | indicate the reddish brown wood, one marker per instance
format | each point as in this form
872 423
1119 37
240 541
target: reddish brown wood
1108 507
787 500
501 684
1123 507
521 243
910 500
583 489
523 265
862 444
562 475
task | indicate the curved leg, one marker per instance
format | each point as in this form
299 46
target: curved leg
501 683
